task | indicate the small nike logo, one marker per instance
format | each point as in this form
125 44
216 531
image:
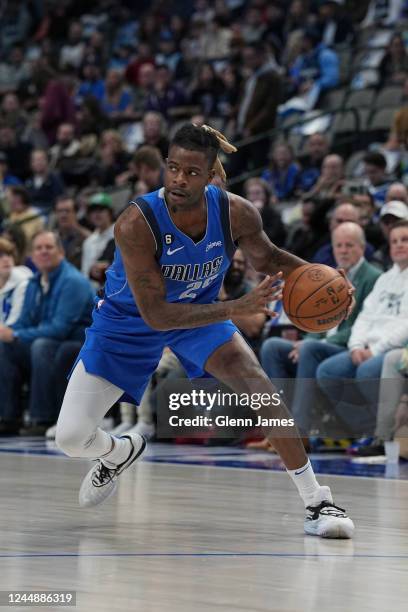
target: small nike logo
172 251
298 472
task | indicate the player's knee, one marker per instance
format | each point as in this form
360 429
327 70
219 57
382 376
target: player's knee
69 441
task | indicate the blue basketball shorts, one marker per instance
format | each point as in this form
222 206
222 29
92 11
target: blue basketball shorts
125 351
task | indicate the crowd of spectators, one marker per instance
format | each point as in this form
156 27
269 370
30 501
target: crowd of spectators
90 93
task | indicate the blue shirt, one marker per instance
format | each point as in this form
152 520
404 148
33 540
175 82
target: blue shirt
283 183
62 312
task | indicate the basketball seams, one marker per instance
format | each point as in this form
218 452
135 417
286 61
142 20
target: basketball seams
331 280
305 322
322 314
312 294
299 323
306 268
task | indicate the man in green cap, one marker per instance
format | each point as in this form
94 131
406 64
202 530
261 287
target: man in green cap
101 215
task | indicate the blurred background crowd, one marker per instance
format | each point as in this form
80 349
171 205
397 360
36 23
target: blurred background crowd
314 93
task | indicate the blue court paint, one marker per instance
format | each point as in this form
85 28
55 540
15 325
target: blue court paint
226 457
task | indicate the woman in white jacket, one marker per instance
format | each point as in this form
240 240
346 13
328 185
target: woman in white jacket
13 283
381 326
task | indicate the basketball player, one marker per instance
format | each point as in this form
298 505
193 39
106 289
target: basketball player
173 249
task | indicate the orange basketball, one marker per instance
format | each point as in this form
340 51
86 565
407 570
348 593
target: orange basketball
315 297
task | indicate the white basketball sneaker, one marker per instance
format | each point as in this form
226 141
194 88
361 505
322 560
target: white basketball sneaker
101 481
326 520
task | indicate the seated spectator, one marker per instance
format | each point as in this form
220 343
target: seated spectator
335 27
101 216
306 236
57 307
6 180
317 148
17 152
392 409
215 39
282 359
391 212
392 151
113 159
96 49
70 232
167 52
116 102
22 214
364 202
12 114
145 85
144 57
397 191
72 52
315 71
91 83
258 104
90 119
15 235
33 135
381 326
229 97
331 180
65 152
44 186
253 26
57 108
206 89
15 70
375 166
343 213
283 173
235 286
146 166
154 132
257 191
165 95
13 284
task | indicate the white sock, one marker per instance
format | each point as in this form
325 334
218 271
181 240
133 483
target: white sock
119 452
305 481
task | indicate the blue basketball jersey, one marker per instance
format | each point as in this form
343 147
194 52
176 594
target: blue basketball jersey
119 345
193 271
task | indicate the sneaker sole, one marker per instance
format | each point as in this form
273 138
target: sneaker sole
333 528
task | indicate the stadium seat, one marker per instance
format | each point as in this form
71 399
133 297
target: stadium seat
382 119
388 97
360 98
333 99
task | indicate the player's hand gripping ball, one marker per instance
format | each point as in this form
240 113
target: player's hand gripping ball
316 298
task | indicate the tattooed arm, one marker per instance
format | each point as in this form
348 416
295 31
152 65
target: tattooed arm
137 246
247 231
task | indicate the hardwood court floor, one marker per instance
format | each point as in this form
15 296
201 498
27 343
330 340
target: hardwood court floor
198 539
